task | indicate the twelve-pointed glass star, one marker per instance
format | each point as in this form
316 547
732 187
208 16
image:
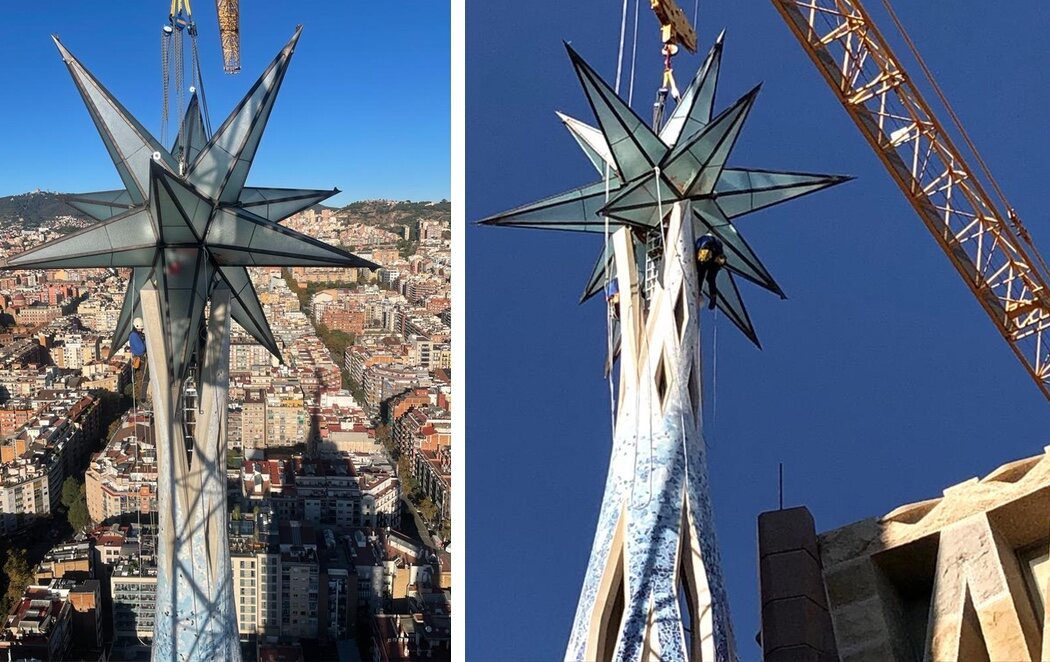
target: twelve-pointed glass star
185 221
648 171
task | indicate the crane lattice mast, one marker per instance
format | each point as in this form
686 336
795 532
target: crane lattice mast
230 34
986 243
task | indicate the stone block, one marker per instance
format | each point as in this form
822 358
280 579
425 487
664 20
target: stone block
791 574
793 622
874 651
797 654
786 530
851 582
861 624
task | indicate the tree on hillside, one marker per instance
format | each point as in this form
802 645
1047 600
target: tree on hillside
19 575
406 248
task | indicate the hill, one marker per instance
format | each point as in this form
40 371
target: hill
391 213
31 209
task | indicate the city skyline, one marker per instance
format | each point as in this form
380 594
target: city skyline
286 422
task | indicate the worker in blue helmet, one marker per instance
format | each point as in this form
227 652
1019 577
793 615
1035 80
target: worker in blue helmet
710 258
137 342
612 297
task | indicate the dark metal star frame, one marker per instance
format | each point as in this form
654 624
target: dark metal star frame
185 221
648 171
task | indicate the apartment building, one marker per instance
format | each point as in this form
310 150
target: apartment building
122 479
341 491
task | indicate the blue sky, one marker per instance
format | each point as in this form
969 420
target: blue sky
365 105
881 382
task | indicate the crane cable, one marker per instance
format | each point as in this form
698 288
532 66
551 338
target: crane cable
180 91
173 54
198 82
609 313
619 55
165 50
1011 214
609 321
634 54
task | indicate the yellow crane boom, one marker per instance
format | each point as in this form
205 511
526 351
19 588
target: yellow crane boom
674 26
986 243
230 34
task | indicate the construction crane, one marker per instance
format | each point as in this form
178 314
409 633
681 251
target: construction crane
674 30
230 34
674 26
985 241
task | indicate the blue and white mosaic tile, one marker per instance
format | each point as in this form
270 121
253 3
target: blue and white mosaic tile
658 467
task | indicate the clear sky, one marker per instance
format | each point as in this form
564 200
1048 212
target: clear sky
882 381
364 107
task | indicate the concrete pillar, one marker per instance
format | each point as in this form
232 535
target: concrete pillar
974 612
657 497
195 619
796 626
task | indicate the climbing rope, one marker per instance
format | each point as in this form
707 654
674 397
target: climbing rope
714 368
609 320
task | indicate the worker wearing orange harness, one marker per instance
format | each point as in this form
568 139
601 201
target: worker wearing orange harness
710 258
137 342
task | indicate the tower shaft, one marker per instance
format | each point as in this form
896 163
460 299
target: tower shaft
653 588
195 618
